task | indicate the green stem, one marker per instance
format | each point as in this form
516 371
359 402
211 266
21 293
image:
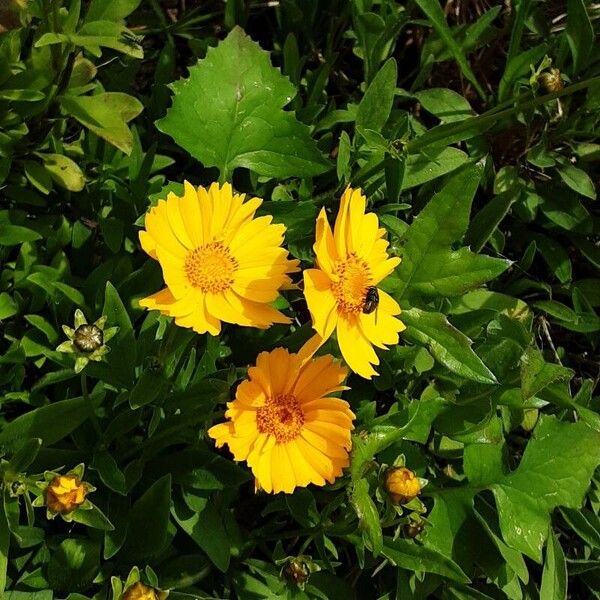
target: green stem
491 116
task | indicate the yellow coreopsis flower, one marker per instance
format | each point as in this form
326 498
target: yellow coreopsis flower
342 293
219 261
284 424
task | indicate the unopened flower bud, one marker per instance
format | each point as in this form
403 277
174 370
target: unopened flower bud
65 493
88 338
140 591
17 488
413 528
551 80
402 485
297 571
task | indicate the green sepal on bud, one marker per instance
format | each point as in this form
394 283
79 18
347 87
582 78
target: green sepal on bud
86 340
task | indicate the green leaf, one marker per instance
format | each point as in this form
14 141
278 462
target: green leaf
206 528
8 307
368 516
408 555
577 179
4 546
51 423
555 470
448 345
489 217
445 104
38 176
234 98
435 14
107 115
580 33
110 10
429 266
376 105
12 235
93 517
73 565
64 171
424 167
537 374
554 576
148 522
92 36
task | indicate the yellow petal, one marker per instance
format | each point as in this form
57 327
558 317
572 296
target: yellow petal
356 349
324 245
320 301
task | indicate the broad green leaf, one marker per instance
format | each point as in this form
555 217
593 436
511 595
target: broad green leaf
554 577
21 95
424 167
73 565
106 114
445 104
64 171
408 555
577 179
429 266
8 307
12 235
435 14
537 374
235 98
148 522
50 423
376 105
447 344
110 10
93 517
555 470
205 526
368 517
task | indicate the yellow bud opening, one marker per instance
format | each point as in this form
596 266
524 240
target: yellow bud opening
402 485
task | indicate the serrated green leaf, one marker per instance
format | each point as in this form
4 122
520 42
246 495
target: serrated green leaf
234 98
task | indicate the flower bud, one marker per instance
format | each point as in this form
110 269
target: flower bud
65 493
140 591
88 338
296 571
402 485
413 528
551 81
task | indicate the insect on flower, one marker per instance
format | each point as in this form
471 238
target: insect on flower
371 300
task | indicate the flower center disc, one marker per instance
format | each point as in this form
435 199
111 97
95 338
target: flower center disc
281 417
210 267
350 290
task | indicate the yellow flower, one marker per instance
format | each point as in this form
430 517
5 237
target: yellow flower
342 292
139 591
219 262
402 485
284 425
65 493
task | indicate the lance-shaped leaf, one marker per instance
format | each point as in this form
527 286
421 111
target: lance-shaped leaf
229 113
430 266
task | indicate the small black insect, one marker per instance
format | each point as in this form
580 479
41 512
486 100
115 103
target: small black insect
371 300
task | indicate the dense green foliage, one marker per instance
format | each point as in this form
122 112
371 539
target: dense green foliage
472 127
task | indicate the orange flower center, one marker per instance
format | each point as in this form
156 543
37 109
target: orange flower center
281 417
210 267
350 290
